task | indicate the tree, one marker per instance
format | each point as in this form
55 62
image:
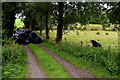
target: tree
8 17
60 21
114 13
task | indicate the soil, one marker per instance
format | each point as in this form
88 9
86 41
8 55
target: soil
74 71
33 65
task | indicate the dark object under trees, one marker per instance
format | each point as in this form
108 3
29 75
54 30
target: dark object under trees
22 36
96 44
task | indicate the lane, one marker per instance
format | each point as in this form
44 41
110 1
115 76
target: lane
33 65
70 68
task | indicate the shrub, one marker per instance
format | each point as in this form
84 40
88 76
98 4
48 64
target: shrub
13 61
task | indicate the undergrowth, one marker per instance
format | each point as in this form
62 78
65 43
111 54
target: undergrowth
13 61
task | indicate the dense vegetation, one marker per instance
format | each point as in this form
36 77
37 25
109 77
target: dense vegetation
13 61
44 15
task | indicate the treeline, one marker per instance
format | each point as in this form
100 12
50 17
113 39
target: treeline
45 15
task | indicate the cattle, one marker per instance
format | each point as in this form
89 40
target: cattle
95 44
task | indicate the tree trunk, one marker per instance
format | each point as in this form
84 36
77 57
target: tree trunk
30 28
60 22
41 26
47 30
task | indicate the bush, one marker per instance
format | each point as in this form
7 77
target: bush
13 61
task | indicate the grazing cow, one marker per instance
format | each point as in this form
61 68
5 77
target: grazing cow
96 44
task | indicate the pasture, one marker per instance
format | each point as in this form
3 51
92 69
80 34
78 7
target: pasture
18 23
106 38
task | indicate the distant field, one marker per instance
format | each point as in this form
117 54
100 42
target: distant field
19 23
85 36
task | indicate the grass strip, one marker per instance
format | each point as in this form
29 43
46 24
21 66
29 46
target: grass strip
51 67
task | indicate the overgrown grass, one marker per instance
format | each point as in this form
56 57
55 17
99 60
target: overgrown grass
101 63
51 67
13 61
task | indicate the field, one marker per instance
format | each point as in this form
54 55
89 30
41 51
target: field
111 39
18 23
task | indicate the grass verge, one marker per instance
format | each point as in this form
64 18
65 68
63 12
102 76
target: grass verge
51 67
86 58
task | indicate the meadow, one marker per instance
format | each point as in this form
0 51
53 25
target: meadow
106 38
18 23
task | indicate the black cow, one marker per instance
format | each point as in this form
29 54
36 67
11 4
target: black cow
96 44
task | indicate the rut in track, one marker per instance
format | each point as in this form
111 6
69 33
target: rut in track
70 68
33 65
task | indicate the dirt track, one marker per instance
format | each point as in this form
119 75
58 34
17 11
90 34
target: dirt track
33 66
70 68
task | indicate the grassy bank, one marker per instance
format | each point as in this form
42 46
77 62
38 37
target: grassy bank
13 61
101 63
50 66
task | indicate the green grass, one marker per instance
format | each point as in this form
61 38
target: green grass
13 61
51 67
99 67
85 36
19 23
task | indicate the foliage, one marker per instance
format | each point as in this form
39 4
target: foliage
114 13
13 61
9 11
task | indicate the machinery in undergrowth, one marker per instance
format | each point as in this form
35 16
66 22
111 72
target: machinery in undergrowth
22 36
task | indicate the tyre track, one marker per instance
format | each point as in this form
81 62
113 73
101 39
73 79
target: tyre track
33 65
70 68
